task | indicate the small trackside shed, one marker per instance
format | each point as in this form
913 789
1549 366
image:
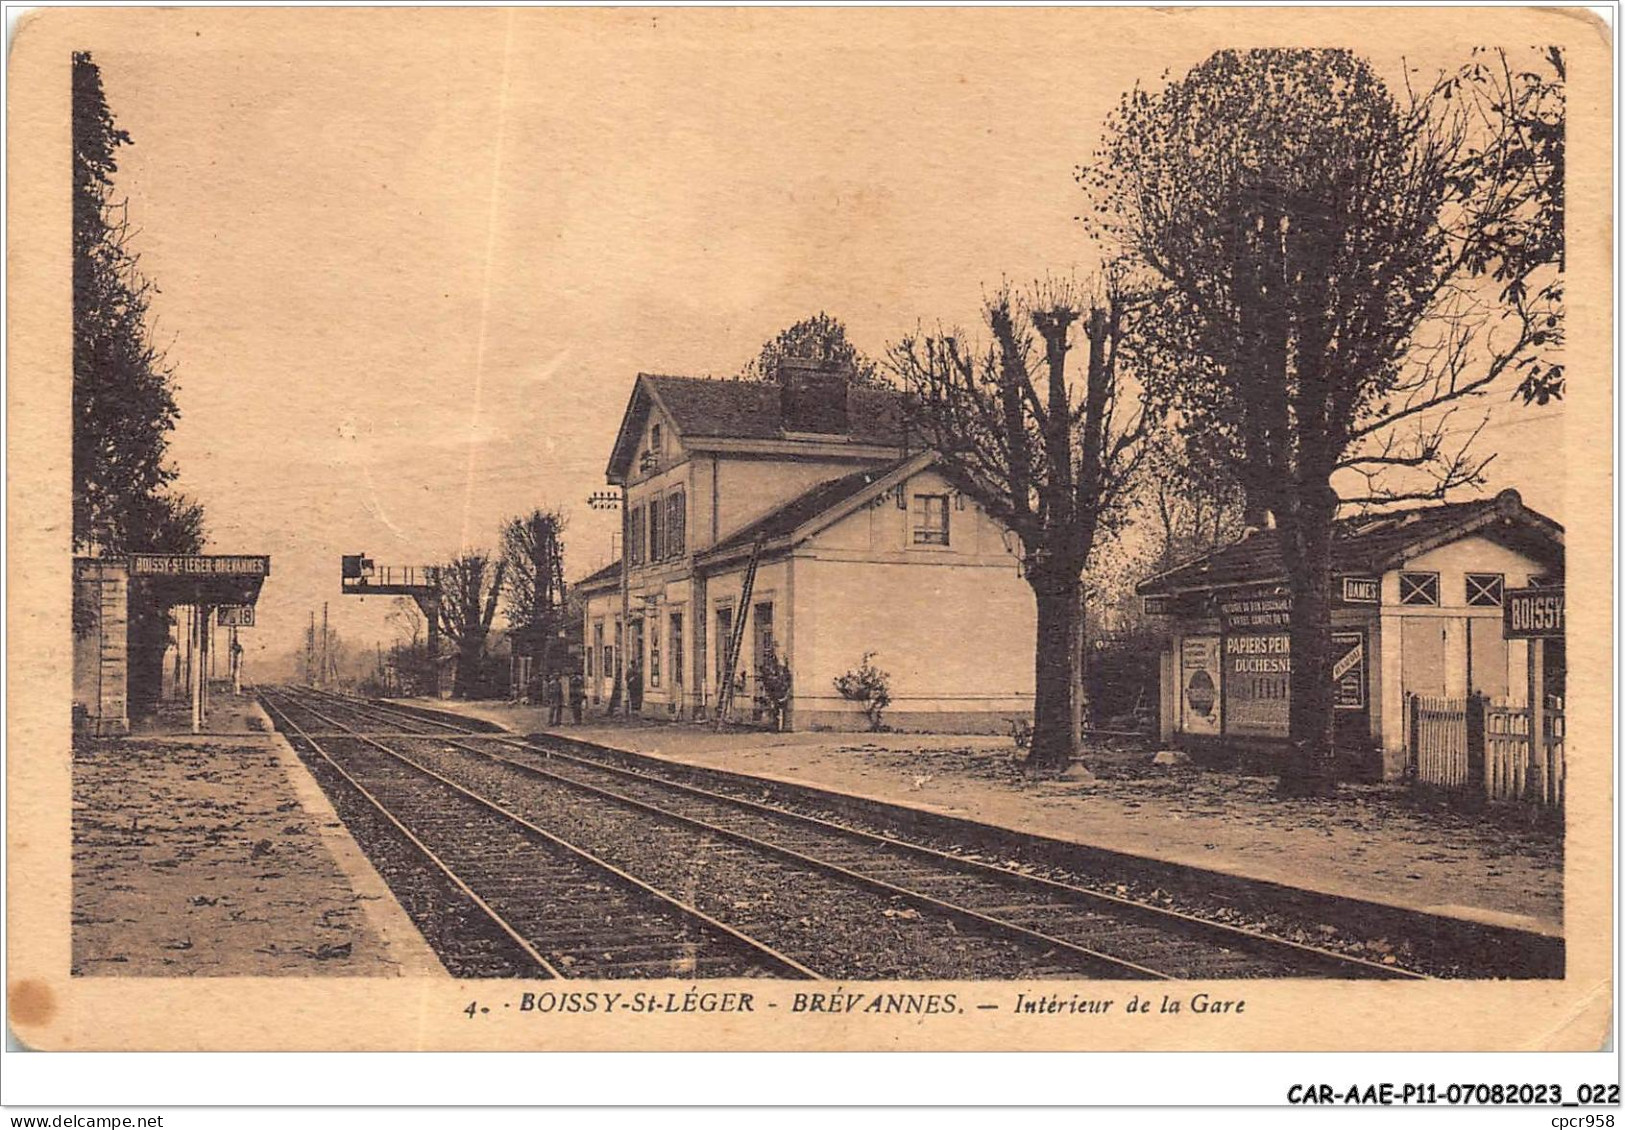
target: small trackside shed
1418 597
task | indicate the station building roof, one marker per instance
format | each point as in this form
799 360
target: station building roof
704 408
1373 543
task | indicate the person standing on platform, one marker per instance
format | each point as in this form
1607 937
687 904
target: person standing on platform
578 696
555 700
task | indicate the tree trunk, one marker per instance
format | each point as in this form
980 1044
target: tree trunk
469 673
1311 767
1055 665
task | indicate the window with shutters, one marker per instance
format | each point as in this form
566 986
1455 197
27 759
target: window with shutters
634 536
654 656
676 649
930 519
676 524
657 528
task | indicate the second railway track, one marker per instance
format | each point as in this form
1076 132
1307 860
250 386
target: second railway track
826 898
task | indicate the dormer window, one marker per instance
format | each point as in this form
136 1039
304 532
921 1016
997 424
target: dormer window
930 519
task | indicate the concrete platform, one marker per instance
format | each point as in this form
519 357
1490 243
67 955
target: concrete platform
218 855
1368 844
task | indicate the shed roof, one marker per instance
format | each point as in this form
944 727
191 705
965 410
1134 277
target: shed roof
1373 543
607 577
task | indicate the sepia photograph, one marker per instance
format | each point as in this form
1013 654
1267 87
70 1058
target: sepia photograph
816 529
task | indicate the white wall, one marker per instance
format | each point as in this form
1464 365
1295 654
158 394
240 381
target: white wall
954 626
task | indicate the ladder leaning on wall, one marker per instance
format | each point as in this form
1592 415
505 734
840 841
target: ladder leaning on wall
736 637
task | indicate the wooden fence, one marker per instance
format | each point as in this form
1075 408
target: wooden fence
1484 745
1438 736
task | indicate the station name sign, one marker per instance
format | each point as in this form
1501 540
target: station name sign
194 565
1533 614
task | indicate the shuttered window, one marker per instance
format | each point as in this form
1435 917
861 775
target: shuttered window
676 524
930 519
634 536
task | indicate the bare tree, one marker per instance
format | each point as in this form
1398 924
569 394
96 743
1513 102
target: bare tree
1192 501
469 587
533 556
1344 269
1051 461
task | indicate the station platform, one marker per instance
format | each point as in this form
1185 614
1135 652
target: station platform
217 854
1368 843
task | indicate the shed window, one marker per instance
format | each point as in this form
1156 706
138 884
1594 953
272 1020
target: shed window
1485 590
930 519
1419 588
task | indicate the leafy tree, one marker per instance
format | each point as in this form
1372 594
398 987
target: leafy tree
774 682
819 337
123 397
868 686
533 559
469 586
1342 269
1053 463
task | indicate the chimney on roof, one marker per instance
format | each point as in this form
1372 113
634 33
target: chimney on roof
812 395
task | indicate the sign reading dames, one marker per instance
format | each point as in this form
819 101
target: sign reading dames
1533 614
1362 590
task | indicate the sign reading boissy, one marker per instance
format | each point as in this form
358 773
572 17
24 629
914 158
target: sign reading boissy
184 564
1533 614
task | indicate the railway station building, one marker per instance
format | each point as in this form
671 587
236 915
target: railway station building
1419 620
797 517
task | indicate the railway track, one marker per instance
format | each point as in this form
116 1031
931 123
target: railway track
966 918
570 913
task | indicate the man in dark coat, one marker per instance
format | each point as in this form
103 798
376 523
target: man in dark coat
578 696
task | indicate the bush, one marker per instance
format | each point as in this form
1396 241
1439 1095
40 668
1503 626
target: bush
774 681
869 686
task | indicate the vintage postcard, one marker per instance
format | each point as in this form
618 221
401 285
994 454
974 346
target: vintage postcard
811 529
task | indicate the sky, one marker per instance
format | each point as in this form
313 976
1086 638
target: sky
408 269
